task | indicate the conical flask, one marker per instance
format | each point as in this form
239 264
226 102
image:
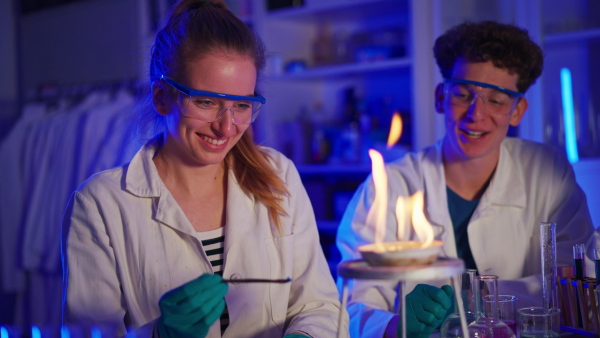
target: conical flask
451 326
488 325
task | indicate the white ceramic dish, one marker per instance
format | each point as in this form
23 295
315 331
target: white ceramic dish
400 253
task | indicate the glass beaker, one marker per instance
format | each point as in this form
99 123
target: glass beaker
488 325
507 309
539 322
451 326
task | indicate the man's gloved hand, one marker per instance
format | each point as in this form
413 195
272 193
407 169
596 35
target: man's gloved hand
426 308
190 310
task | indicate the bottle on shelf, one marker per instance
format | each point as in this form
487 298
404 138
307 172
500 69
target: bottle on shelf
319 143
323 47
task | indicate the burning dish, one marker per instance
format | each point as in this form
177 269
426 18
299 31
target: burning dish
407 251
401 253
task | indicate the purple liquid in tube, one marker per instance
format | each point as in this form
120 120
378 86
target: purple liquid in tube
578 255
579 269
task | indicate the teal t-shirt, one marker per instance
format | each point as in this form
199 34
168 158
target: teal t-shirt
461 211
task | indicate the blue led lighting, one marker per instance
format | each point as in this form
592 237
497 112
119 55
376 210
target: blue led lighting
35 332
96 333
569 115
64 332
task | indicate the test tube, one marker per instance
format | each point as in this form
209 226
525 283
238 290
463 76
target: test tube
597 264
578 256
549 273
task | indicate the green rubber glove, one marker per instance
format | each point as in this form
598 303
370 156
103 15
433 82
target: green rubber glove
190 310
426 308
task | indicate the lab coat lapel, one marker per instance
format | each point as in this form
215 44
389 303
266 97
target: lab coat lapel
507 186
507 191
239 223
142 179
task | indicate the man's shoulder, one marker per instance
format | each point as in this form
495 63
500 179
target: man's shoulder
533 158
527 149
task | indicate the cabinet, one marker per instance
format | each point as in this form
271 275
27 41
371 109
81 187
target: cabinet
571 40
568 32
337 71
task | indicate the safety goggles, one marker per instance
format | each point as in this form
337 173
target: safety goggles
210 107
464 93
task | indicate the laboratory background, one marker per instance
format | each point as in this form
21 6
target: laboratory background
73 71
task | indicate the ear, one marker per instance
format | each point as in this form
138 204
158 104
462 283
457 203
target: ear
160 98
439 98
519 112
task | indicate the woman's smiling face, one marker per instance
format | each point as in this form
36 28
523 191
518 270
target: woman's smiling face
473 132
201 143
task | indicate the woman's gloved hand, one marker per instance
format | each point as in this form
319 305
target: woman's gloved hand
426 308
190 310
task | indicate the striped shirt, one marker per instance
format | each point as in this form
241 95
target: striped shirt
213 242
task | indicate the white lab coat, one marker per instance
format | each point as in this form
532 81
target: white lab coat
532 183
128 242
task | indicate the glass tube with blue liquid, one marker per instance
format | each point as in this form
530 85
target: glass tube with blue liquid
579 255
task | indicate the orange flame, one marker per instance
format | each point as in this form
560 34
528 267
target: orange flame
422 227
377 213
407 209
395 130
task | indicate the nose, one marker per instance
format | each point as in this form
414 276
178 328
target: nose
224 123
476 111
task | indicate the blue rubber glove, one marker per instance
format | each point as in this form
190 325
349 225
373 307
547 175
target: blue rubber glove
190 310
426 308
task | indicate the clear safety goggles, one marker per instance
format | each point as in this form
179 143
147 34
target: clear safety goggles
464 93
210 107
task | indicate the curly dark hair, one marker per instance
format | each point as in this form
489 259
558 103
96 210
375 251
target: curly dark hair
507 46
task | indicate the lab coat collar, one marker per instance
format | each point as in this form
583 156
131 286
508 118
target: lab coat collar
142 180
507 187
142 177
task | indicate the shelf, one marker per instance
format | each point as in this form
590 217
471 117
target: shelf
573 36
345 70
319 10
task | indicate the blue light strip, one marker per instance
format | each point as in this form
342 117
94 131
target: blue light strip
569 115
3 332
96 333
35 332
64 332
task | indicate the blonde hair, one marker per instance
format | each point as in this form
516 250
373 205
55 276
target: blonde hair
257 176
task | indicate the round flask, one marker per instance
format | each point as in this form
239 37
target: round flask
451 326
